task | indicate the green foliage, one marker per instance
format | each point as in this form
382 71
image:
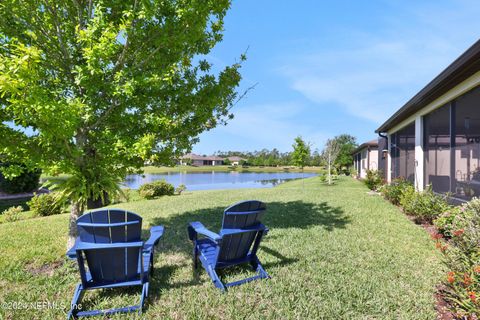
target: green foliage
227 162
393 191
301 152
374 179
93 185
180 189
347 144
462 258
107 86
124 196
353 172
46 204
12 214
424 206
271 158
18 178
445 221
155 189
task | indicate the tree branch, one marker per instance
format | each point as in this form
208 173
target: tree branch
104 116
121 58
63 48
243 95
79 12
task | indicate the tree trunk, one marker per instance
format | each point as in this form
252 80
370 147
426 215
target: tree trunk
75 212
329 169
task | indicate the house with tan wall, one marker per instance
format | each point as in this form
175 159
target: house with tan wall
366 157
434 139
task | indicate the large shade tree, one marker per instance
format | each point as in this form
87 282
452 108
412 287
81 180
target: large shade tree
93 89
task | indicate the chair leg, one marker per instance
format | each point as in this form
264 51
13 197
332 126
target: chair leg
195 256
77 298
263 274
151 265
142 298
254 264
216 279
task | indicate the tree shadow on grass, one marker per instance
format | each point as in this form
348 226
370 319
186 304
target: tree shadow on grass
279 215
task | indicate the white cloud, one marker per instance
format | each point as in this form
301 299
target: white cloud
375 74
265 126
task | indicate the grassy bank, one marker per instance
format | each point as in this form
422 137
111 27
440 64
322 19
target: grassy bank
332 252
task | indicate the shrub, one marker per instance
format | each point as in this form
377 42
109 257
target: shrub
353 172
462 258
12 214
156 189
445 221
393 191
374 179
27 181
180 189
46 204
425 205
323 177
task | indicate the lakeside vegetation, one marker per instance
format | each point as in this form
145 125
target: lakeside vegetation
332 251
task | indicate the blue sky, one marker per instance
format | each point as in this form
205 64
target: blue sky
329 67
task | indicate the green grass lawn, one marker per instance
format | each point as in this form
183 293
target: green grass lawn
333 252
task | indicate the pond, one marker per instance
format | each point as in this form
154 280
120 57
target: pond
217 180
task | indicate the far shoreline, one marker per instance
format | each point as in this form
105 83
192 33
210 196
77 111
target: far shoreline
223 168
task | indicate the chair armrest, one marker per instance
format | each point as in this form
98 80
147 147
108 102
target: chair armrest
72 252
156 233
198 228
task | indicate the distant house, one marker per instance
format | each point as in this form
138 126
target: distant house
434 139
197 160
235 161
366 157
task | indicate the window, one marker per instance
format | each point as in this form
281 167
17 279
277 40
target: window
403 153
466 150
437 149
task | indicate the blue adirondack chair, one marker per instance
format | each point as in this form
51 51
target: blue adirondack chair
237 242
111 254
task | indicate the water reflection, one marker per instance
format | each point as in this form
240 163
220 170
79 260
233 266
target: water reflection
217 180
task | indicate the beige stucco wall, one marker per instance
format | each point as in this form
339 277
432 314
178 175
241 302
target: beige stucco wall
367 163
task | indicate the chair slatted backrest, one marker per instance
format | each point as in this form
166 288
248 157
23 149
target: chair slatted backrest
111 265
240 216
